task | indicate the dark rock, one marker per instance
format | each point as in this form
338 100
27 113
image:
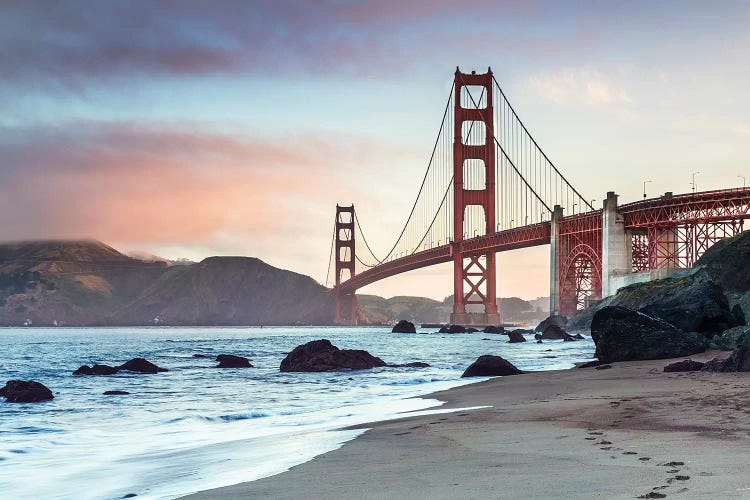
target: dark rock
728 262
515 336
555 319
523 331
322 356
25 391
603 367
738 361
130 495
684 366
731 339
691 302
96 370
494 329
622 334
578 336
456 329
554 332
232 361
739 314
415 364
199 356
140 365
471 330
539 341
569 338
538 336
590 364
115 393
490 366
404 326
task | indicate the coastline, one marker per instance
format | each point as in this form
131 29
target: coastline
581 433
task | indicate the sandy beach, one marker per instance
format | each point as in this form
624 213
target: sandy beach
631 431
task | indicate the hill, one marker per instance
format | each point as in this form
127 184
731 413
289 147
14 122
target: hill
86 282
230 291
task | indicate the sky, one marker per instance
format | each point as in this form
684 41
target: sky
190 129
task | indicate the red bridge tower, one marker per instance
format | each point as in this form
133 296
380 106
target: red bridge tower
473 273
346 302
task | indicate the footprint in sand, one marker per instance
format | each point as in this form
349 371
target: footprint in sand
629 453
590 439
653 494
673 463
596 433
604 442
401 433
645 459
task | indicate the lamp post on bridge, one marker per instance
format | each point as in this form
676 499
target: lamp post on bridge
693 183
744 180
644 188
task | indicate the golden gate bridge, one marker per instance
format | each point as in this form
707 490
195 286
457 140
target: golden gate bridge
489 187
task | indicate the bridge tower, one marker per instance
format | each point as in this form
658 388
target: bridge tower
346 302
473 273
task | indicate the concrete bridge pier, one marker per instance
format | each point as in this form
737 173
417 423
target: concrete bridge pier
554 271
617 252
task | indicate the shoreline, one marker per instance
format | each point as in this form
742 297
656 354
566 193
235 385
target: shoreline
582 433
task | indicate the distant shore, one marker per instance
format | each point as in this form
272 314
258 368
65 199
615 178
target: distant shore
623 432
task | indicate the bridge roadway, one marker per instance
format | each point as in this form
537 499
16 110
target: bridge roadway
695 208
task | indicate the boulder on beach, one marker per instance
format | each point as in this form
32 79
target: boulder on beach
728 262
623 334
232 361
687 365
516 336
491 366
25 391
731 339
96 370
738 361
404 326
322 356
554 319
140 365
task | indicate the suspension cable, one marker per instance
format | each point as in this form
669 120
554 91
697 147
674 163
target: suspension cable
330 255
503 151
424 179
510 106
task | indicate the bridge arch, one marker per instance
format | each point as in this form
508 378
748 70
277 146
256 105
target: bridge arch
580 278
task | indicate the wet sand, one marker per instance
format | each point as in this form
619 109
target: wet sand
623 432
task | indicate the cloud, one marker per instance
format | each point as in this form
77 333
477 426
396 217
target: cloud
136 185
580 87
71 45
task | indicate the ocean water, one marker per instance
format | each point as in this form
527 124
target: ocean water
198 427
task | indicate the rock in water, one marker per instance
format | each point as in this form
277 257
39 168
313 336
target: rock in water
232 361
555 319
23 391
456 329
414 364
404 326
96 370
516 336
491 366
625 335
684 366
322 356
140 365
554 332
115 393
494 329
